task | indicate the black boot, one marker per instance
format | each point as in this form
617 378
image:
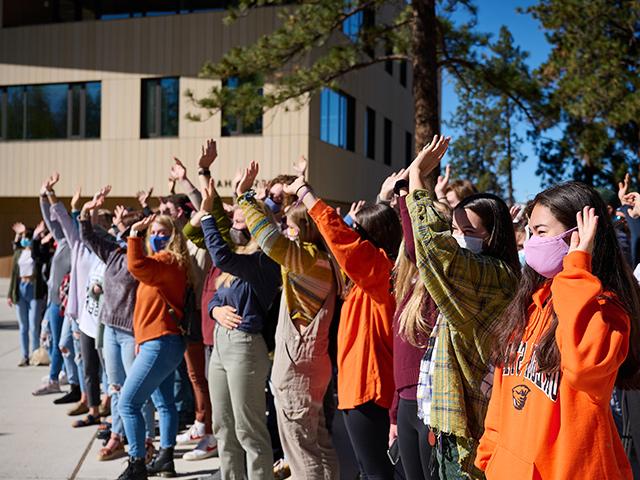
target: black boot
162 465
136 470
72 397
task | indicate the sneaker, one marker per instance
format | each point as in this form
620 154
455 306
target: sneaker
281 470
47 388
62 378
80 409
24 362
193 435
71 397
206 448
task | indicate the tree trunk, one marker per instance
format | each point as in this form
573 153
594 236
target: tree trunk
425 77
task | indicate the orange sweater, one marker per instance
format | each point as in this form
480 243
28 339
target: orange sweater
159 277
365 334
558 427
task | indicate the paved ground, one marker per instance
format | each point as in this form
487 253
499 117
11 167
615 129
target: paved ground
36 437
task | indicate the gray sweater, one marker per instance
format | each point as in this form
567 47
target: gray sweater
119 297
61 261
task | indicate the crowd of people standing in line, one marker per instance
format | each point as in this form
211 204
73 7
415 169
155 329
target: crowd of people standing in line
461 338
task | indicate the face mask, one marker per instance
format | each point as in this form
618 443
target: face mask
545 254
158 242
239 236
273 206
25 242
473 244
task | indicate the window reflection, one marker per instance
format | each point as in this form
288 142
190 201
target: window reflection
337 119
160 106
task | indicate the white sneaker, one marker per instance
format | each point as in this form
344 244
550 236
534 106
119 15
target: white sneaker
47 388
206 448
193 435
62 378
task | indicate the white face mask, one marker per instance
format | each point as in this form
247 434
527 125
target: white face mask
473 244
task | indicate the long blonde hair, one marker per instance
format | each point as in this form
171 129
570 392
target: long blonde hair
177 245
413 327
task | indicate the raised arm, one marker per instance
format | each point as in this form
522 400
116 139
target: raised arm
45 207
60 215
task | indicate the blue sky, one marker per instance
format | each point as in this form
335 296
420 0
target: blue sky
492 14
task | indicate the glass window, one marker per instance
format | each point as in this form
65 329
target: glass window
60 110
408 148
160 109
337 119
232 125
370 133
387 141
403 73
352 24
46 111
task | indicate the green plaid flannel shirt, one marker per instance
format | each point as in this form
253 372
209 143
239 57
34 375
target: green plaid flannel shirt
471 292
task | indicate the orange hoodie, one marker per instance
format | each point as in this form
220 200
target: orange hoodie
160 278
559 427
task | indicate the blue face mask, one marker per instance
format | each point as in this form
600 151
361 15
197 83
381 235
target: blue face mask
158 242
25 242
273 206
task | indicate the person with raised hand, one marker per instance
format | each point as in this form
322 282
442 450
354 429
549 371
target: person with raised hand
27 291
301 366
60 266
569 335
163 273
365 335
239 363
470 269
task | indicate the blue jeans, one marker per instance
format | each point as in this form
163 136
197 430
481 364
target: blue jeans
119 354
152 374
77 359
55 326
67 349
29 312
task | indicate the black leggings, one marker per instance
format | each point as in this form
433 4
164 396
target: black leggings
368 429
91 369
413 440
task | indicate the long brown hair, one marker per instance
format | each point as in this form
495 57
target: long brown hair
177 245
608 264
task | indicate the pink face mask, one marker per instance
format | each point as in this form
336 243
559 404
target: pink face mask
545 254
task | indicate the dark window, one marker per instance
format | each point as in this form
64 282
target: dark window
408 148
387 141
60 110
232 125
403 73
388 64
337 119
370 133
160 98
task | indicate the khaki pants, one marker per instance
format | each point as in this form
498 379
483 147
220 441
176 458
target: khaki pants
238 371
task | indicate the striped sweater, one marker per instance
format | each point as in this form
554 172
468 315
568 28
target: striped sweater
306 271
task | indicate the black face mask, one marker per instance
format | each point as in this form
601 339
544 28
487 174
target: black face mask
240 237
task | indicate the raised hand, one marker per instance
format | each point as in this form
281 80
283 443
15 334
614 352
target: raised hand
118 214
292 188
178 170
143 197
39 230
143 224
633 200
18 228
49 182
209 154
584 238
442 183
96 202
248 178
300 166
386 189
623 188
75 200
428 159
355 208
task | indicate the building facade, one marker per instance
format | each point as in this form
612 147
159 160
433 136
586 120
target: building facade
96 91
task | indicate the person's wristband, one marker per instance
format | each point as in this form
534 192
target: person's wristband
134 233
304 194
204 171
300 188
49 192
400 184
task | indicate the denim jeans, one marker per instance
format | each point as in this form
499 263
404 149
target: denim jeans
119 354
55 325
77 359
152 374
29 313
67 349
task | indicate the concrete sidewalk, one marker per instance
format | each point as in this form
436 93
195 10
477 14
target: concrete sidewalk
36 437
